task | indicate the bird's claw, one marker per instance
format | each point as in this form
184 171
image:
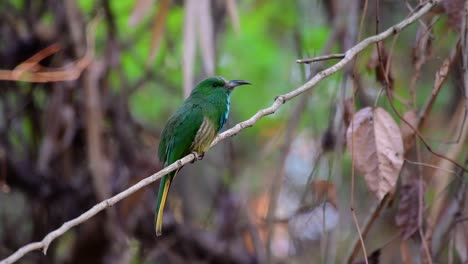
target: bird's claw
198 156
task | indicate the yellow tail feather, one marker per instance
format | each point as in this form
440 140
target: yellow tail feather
160 212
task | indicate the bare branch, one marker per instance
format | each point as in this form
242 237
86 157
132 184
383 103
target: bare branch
44 244
349 55
322 58
279 101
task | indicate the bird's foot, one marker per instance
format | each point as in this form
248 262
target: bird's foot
198 156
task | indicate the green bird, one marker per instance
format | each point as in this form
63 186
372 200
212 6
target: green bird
192 128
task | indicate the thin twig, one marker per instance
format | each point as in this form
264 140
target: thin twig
420 136
322 58
424 141
430 165
360 240
31 63
353 213
440 77
363 17
291 129
279 101
367 226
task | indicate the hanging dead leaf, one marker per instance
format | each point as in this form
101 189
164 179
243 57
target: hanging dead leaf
139 11
406 132
378 63
375 142
407 216
405 252
158 28
348 111
442 73
324 190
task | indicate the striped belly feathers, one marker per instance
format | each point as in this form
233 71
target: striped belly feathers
205 135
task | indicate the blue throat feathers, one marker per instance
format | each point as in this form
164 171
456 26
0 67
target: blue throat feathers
224 117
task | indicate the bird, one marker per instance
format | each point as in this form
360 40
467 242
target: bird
192 128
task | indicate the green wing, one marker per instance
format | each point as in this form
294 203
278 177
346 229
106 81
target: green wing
179 133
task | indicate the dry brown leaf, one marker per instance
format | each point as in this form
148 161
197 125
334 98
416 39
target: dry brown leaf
158 28
442 73
259 209
248 241
407 216
378 63
140 9
323 189
406 132
348 111
405 252
375 142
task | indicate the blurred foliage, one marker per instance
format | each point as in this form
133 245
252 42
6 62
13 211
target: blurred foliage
251 54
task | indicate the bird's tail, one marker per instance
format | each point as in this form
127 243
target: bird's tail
162 196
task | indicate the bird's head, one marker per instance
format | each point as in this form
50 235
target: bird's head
217 84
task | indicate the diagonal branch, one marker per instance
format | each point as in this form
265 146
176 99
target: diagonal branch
31 71
279 101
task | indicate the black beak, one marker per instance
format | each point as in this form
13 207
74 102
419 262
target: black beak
234 83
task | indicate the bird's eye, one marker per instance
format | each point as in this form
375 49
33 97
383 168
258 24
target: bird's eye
215 85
